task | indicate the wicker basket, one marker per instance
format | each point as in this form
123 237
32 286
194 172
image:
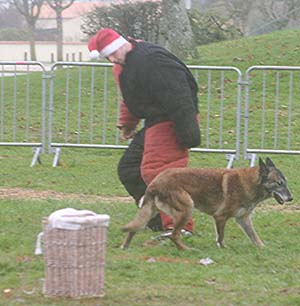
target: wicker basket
74 260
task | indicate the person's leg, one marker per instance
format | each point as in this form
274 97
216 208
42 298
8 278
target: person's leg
129 173
161 152
129 167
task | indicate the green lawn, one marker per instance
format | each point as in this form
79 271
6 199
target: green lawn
241 274
150 272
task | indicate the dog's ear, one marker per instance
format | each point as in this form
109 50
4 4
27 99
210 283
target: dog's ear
263 170
269 163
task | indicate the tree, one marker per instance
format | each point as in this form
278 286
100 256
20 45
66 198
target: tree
138 20
3 5
10 17
239 11
30 9
59 6
165 22
210 27
175 28
143 20
278 14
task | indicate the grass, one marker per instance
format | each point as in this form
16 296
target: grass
241 274
276 48
81 171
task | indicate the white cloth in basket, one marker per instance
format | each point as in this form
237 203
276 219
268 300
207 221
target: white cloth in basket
72 219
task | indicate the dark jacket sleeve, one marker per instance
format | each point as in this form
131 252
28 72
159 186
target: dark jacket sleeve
167 82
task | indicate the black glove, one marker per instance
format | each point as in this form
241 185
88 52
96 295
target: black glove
188 131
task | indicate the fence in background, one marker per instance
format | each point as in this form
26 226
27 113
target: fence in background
78 107
21 122
278 111
84 103
220 94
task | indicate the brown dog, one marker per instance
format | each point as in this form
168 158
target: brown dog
221 193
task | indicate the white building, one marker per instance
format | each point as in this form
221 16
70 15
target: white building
45 51
72 19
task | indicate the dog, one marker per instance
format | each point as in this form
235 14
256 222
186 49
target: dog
219 192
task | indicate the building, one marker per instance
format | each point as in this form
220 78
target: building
72 19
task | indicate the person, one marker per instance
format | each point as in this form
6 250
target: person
158 87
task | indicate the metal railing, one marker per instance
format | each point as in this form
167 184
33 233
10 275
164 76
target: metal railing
83 107
21 123
85 115
278 110
220 94
76 105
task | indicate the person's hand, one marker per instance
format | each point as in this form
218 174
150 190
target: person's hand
127 132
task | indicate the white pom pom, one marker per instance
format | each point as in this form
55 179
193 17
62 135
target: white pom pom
94 54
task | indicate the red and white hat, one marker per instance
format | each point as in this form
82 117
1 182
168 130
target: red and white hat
105 42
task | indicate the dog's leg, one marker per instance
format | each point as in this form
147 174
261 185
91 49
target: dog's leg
246 224
127 240
179 223
144 214
220 222
181 212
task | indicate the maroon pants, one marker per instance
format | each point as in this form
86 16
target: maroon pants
161 152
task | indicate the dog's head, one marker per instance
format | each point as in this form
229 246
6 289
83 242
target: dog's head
274 181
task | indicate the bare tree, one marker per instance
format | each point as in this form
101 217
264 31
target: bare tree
175 29
280 13
10 17
293 9
3 4
239 10
59 6
30 9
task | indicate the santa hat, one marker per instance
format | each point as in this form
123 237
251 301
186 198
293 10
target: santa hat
104 43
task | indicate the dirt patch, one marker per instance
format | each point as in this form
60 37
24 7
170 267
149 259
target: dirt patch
31 194
295 207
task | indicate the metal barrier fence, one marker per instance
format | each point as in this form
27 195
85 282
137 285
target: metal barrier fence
220 90
272 113
76 105
23 123
84 103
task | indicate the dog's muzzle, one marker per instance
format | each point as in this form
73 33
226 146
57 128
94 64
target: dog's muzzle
280 199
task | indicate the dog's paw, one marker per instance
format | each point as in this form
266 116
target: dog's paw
220 245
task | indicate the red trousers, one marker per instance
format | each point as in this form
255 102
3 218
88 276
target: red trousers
161 152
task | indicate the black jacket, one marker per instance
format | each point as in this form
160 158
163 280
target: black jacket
158 87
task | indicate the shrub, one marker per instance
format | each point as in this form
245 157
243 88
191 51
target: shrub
138 20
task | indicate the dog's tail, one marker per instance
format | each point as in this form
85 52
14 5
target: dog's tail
146 211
